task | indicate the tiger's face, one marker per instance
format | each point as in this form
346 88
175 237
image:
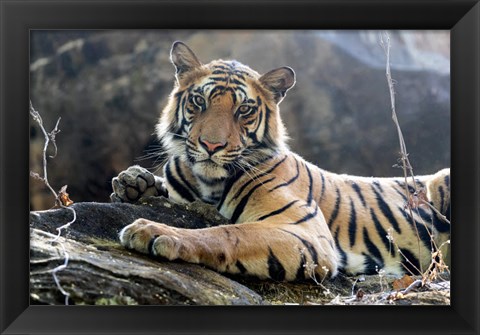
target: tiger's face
222 116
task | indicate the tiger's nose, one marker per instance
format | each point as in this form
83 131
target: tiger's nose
212 147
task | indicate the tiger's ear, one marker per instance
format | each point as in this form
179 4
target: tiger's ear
279 81
183 58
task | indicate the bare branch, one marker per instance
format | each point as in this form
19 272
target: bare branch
61 198
37 118
415 198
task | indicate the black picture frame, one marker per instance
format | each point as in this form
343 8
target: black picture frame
17 17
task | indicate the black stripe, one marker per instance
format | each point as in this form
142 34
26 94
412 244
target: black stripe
224 66
310 186
402 194
184 123
412 264
219 89
240 267
442 198
241 74
430 217
402 185
336 209
323 185
447 180
179 188
237 88
221 71
267 119
242 188
238 82
382 233
196 90
423 232
387 212
307 217
440 225
212 181
418 182
343 254
182 177
229 184
377 184
370 266
252 121
300 276
241 205
352 224
253 135
289 181
423 214
372 248
356 188
234 98
276 270
424 235
224 79
309 246
179 114
150 245
179 102
252 111
278 211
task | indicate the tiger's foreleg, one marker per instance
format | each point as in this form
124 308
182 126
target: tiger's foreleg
261 249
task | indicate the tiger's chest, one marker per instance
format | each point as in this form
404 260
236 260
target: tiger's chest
210 191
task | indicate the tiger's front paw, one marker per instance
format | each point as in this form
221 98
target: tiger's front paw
135 182
157 239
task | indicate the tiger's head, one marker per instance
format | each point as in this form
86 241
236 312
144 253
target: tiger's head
222 115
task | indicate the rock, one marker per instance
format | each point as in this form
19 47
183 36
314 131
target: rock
110 86
100 271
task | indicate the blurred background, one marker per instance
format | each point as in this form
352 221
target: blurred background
110 86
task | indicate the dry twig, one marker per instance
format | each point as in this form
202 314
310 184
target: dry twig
61 198
416 197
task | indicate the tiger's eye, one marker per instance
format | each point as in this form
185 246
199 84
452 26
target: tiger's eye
199 101
244 109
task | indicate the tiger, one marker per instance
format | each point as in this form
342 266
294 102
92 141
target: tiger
289 220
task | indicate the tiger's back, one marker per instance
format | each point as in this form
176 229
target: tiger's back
375 228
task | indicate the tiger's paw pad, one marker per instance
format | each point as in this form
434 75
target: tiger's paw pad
134 183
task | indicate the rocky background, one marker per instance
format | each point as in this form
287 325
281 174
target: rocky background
109 87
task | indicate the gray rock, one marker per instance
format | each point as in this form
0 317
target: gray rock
100 271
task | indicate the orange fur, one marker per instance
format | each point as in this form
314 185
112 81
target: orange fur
291 219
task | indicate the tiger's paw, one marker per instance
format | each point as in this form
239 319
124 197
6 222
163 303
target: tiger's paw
158 240
134 183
